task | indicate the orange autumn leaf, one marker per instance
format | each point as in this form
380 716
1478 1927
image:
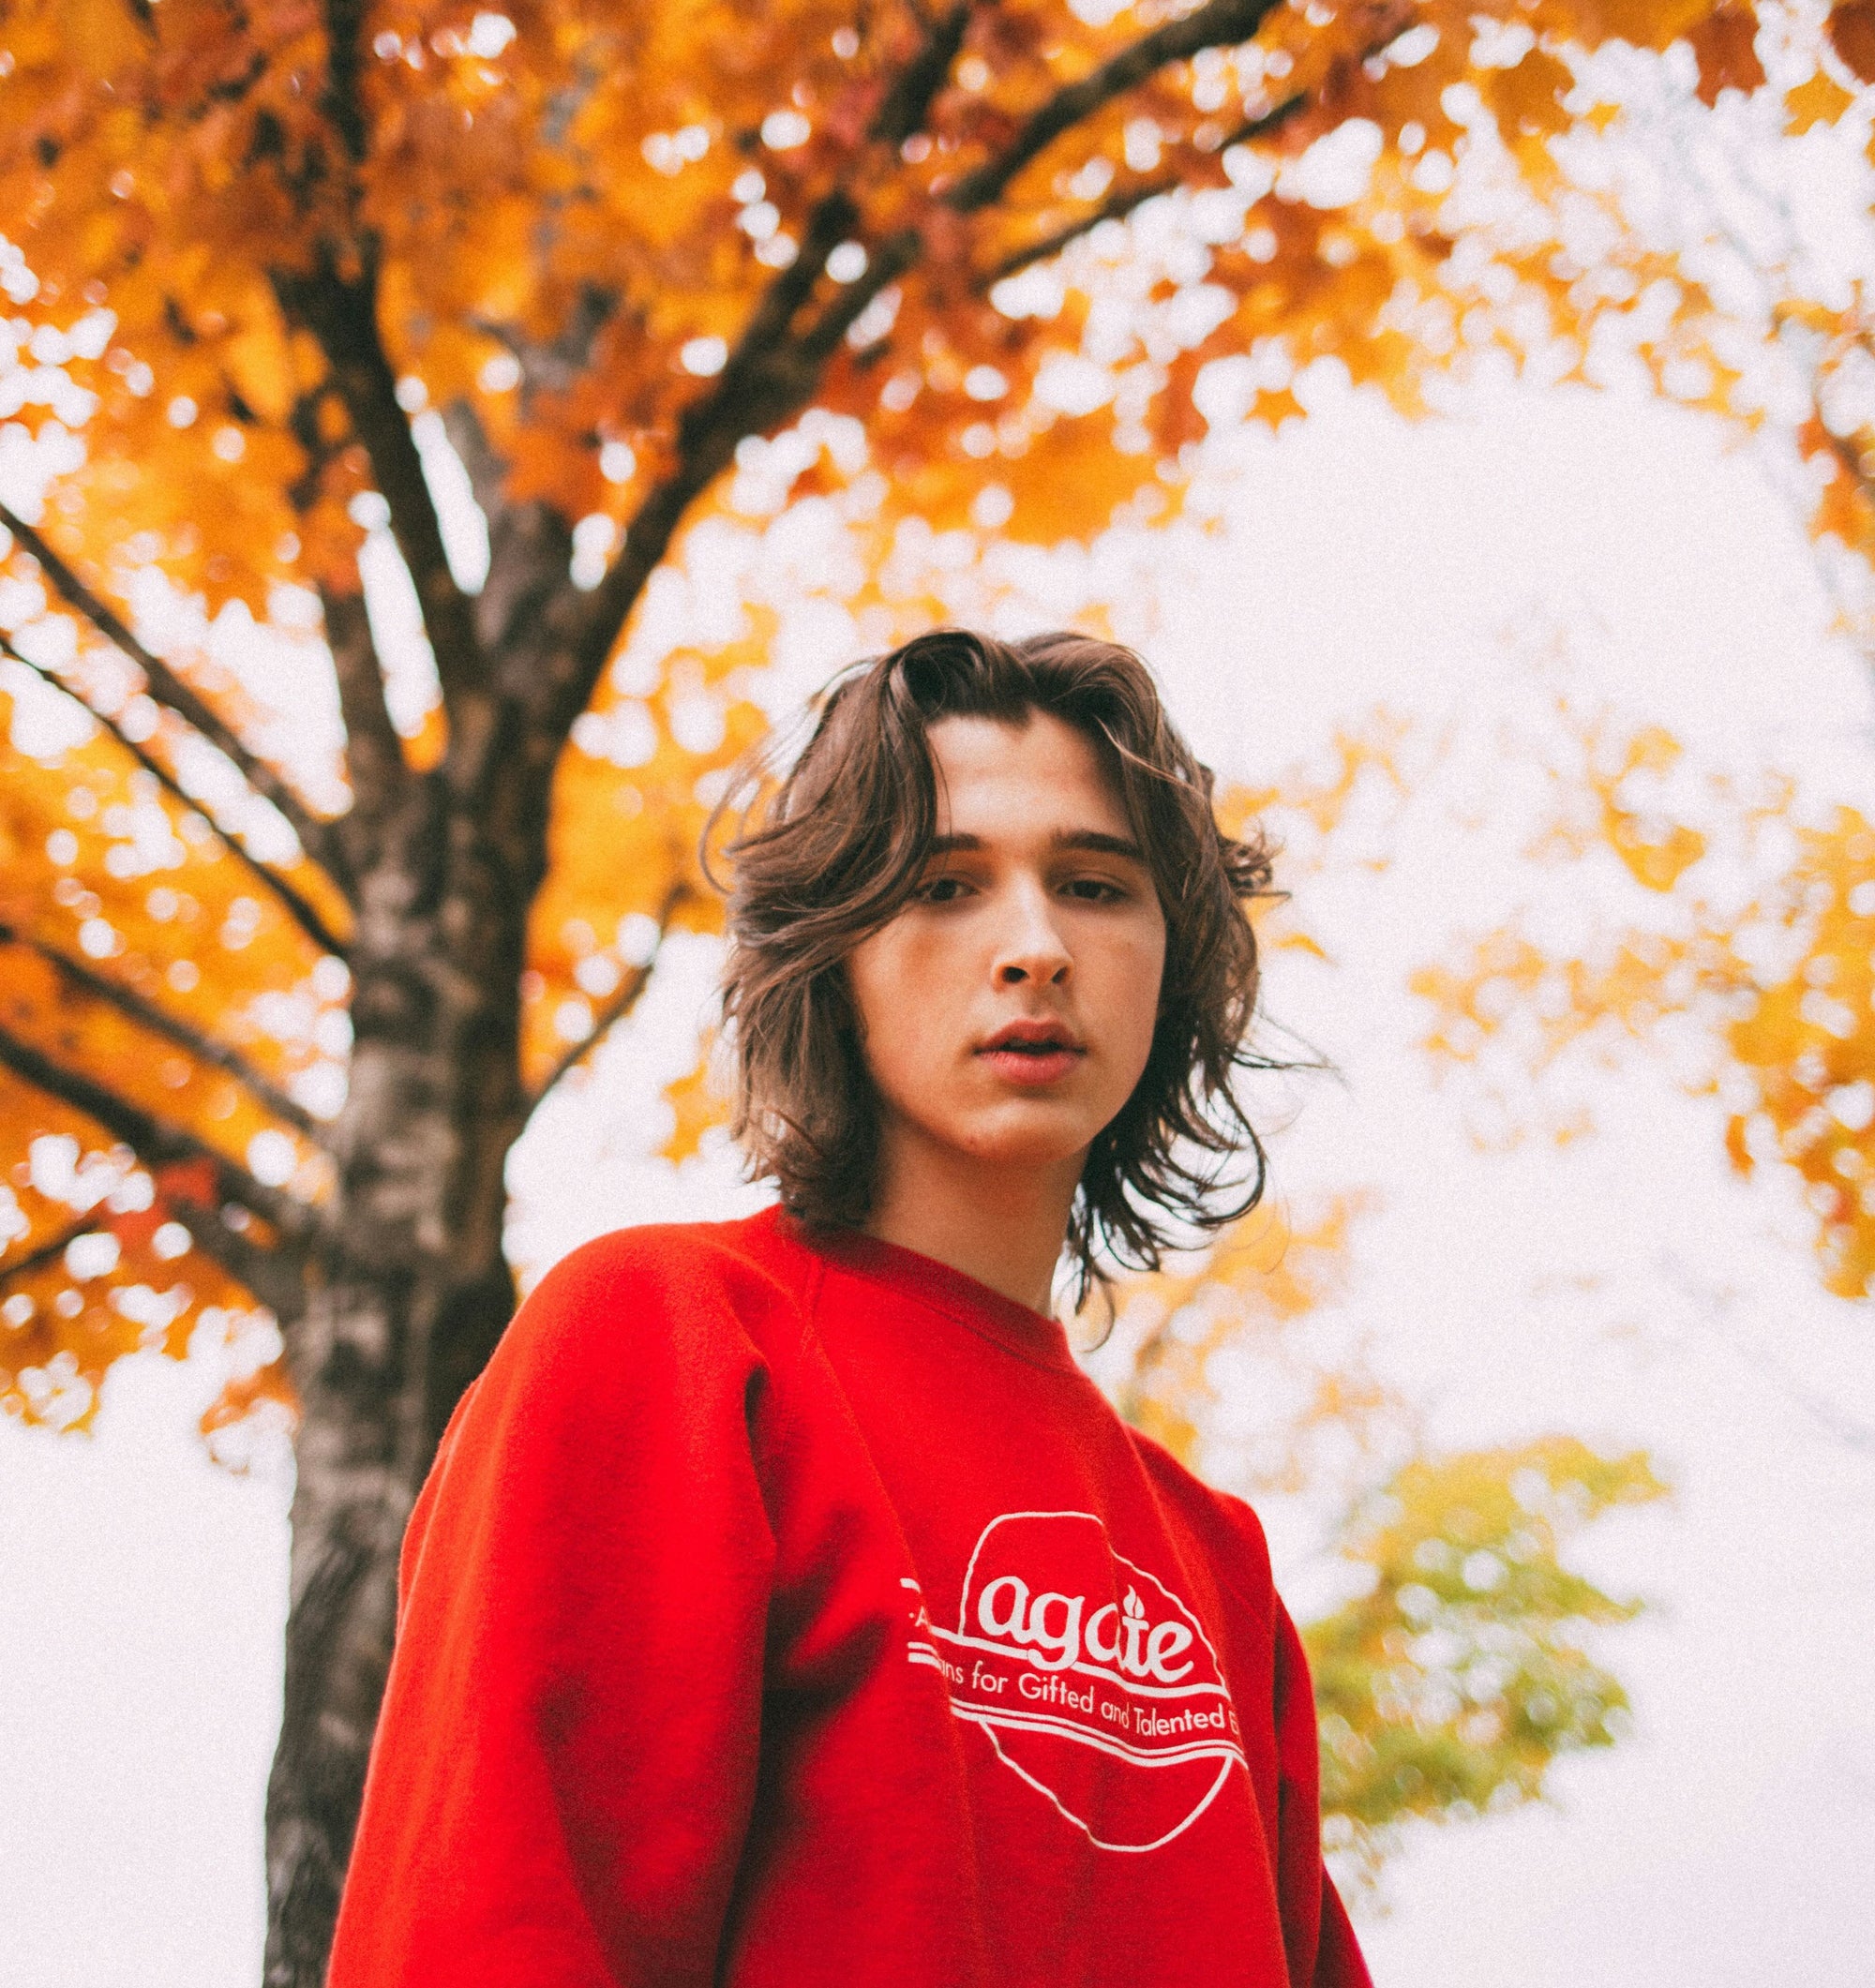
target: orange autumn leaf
1851 33
1527 100
1726 45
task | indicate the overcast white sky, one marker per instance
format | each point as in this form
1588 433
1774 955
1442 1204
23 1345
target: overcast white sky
1625 1287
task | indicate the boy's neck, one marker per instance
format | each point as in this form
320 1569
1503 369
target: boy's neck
1003 1226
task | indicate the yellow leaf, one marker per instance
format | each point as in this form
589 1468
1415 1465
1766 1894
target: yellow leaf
1820 101
1273 406
260 363
698 1104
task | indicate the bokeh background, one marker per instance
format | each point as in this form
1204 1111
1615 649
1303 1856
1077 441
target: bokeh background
1471 418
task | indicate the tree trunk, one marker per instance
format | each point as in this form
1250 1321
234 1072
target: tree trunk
409 1298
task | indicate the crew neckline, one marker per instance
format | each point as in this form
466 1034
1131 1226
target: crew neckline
1030 1335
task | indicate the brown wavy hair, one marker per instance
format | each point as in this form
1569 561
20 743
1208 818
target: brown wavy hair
827 851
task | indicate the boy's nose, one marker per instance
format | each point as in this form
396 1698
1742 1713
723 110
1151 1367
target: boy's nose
1032 948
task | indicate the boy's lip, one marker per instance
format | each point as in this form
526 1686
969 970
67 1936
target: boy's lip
1032 1037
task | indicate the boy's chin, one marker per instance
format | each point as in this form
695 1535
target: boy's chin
1028 1138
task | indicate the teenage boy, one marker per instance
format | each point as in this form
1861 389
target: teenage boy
784 1605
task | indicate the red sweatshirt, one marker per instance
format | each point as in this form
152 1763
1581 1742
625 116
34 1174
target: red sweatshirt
795 1611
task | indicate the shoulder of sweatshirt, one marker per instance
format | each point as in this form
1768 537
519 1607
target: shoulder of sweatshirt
676 1299
1231 1531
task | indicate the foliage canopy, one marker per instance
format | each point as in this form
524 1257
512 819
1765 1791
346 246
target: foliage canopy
299 918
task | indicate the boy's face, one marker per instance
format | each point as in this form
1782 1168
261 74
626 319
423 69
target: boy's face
1009 1007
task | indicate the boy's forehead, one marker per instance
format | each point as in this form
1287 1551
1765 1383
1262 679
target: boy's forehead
992 770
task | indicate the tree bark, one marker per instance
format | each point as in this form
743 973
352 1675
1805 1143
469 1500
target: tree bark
410 1297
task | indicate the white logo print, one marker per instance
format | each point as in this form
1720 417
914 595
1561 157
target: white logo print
1092 1679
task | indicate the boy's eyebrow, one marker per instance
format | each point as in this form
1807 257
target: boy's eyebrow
1098 844
1094 841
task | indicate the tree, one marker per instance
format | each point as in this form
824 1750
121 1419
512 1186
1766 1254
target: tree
1465 1670
1459 1669
282 275
1778 984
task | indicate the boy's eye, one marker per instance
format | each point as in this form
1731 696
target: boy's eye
1095 891
941 889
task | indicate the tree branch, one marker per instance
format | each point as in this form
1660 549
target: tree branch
340 311
56 1246
344 38
171 1028
891 260
315 834
1122 201
834 217
298 907
156 1142
529 547
1218 23
374 755
274 1277
755 392
342 315
771 376
624 998
904 105
773 371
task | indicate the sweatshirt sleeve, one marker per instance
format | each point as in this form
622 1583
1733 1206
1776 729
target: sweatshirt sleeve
566 1761
1320 1942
